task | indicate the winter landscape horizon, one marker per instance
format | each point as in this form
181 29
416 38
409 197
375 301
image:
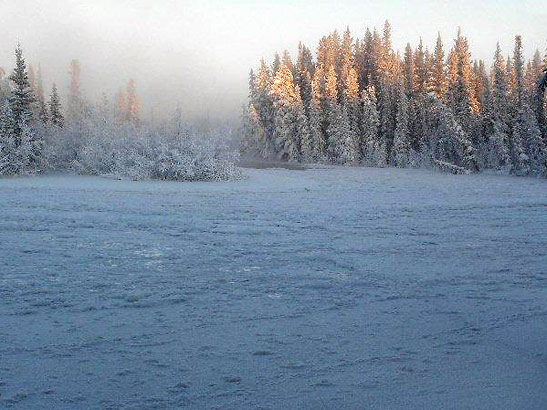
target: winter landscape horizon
233 204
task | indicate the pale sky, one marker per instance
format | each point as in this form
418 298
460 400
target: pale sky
198 53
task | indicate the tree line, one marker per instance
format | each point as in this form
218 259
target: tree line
357 101
103 138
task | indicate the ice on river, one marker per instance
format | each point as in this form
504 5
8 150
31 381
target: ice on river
335 288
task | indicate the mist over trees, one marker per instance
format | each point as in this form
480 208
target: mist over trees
354 101
357 101
38 133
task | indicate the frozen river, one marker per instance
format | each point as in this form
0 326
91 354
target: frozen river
332 288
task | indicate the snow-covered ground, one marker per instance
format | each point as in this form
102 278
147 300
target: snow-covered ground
332 288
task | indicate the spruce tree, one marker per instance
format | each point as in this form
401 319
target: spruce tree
532 142
451 143
22 98
347 64
351 101
497 115
526 132
495 154
417 120
539 101
519 159
332 113
43 114
133 105
372 152
331 85
288 62
409 70
121 105
510 75
462 98
437 79
285 99
28 156
317 120
536 67
386 112
5 88
7 139
386 51
518 63
304 74
478 77
75 101
302 130
341 141
264 106
253 133
367 60
401 143
334 54
32 78
276 64
420 70
55 111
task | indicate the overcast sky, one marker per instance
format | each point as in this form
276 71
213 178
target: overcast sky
198 53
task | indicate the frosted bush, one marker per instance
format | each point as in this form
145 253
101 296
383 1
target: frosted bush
124 150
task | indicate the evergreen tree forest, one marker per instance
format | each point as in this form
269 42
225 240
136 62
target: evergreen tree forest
39 134
357 101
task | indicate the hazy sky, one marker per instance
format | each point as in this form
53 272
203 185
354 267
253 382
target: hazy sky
198 53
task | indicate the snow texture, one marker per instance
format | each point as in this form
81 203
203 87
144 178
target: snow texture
334 288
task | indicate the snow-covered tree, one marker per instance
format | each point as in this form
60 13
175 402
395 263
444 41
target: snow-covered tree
527 145
347 64
75 99
401 143
276 64
5 88
372 152
121 104
252 140
460 89
437 77
527 140
21 98
7 139
284 98
302 130
519 159
55 112
409 70
43 114
386 110
449 143
317 121
518 63
495 148
352 103
132 103
510 75
421 74
264 106
495 154
304 73
341 143
331 109
540 100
